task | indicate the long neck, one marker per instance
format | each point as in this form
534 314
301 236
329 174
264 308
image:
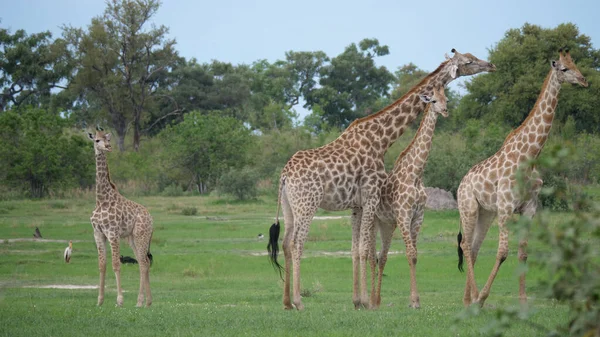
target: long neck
413 159
103 184
381 129
533 132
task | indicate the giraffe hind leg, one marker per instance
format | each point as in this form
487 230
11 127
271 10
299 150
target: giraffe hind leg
116 265
288 219
142 237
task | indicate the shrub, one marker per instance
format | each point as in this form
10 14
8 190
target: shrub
239 183
189 211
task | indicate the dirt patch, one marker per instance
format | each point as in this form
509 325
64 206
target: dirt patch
63 286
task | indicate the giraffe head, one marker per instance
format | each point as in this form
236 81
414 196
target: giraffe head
101 141
467 64
567 70
437 103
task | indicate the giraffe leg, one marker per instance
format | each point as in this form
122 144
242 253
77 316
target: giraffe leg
367 233
484 222
101 247
411 256
468 218
287 250
141 245
500 256
301 226
356 216
386 231
116 265
528 211
523 260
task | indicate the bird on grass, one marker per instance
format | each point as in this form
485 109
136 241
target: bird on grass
37 233
68 252
260 236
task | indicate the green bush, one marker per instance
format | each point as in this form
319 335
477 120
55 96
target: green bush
241 183
189 211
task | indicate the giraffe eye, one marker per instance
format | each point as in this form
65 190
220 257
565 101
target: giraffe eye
97 140
564 70
434 101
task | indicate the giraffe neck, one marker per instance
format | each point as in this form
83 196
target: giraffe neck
413 159
380 130
533 132
104 187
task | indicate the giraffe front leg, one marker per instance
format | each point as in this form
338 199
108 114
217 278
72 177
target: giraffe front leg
116 265
101 247
411 256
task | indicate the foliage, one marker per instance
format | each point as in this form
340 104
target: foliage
569 258
523 58
189 211
37 155
119 63
30 67
351 83
202 147
241 183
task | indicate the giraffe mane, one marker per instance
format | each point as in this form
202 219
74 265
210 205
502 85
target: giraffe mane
405 96
531 112
407 149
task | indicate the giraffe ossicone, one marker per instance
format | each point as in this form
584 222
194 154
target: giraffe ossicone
348 173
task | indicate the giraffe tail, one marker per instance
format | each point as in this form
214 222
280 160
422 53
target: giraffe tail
273 247
460 251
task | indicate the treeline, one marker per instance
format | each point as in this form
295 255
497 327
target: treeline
181 125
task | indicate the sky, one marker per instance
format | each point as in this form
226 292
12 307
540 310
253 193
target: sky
244 31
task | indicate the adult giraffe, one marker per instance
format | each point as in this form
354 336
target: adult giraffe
348 174
489 188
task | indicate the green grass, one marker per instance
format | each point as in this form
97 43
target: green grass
210 277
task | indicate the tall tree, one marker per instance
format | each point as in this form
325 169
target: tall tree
120 62
30 67
523 58
351 83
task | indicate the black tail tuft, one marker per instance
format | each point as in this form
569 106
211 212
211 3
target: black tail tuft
128 259
460 252
273 247
150 257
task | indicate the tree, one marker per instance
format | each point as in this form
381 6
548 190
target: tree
120 63
30 67
523 59
351 83
35 152
202 147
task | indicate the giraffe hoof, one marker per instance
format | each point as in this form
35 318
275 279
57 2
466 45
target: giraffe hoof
100 301
299 306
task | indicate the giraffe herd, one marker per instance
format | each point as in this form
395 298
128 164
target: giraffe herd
349 174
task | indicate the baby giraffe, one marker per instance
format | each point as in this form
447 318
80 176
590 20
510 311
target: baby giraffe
403 194
115 218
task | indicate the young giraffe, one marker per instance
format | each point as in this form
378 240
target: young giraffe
348 174
114 218
489 188
403 195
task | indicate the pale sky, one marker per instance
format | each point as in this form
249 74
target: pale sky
243 31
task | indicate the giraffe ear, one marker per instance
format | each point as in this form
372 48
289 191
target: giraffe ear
107 136
90 136
453 70
425 98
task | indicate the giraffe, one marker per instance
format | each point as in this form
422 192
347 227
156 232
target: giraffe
348 174
114 218
488 189
403 195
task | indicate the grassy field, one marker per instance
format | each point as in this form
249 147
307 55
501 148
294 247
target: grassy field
211 277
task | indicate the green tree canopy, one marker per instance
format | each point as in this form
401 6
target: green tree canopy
204 146
120 62
351 84
37 156
30 67
523 59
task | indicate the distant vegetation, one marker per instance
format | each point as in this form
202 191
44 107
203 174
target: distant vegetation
181 126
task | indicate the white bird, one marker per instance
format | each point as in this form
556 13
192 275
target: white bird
68 251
